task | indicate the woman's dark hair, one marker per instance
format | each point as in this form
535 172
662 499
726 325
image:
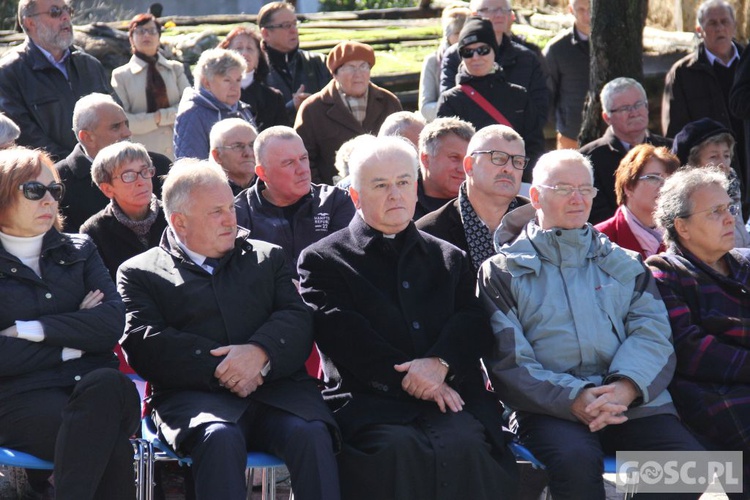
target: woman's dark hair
261 72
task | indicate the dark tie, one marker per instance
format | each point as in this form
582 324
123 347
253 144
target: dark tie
214 263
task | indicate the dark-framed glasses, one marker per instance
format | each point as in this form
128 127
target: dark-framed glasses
129 176
283 26
54 12
146 31
482 50
35 190
636 106
500 158
239 147
655 179
566 190
716 212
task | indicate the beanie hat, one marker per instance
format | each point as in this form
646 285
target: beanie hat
477 30
695 133
349 51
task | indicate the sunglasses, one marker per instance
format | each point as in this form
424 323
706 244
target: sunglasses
54 12
34 190
469 53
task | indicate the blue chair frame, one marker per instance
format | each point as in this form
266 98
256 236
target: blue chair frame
157 450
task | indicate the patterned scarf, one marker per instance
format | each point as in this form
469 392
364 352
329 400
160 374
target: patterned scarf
357 105
478 236
141 228
156 89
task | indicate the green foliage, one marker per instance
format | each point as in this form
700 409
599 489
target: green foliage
338 5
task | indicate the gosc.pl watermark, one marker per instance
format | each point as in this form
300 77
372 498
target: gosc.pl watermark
679 471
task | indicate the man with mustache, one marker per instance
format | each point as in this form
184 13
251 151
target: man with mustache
41 80
494 164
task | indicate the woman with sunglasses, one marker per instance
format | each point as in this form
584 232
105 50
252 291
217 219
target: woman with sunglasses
150 87
638 179
705 283
61 395
484 97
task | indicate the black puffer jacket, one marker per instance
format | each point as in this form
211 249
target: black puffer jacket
71 267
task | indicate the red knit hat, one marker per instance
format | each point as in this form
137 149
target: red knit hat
349 51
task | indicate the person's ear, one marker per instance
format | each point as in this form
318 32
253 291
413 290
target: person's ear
469 165
534 197
260 171
216 155
354 194
681 227
107 189
605 117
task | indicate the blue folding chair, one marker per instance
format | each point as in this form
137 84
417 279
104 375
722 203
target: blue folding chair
157 450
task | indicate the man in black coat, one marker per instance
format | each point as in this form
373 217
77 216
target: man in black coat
625 110
401 333
494 165
98 121
217 327
41 80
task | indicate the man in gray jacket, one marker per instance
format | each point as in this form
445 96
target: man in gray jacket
583 346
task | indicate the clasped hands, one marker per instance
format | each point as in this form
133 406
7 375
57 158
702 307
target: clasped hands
240 370
598 407
425 379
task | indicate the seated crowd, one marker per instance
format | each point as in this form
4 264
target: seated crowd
367 295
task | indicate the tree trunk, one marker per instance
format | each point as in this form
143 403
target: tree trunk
616 50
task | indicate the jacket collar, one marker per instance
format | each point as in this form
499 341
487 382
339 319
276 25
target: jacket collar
38 60
569 248
52 239
170 245
79 163
278 58
338 112
364 236
257 189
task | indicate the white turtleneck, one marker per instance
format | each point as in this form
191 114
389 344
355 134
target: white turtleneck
247 79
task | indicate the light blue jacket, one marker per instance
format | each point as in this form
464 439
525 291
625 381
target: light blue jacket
570 310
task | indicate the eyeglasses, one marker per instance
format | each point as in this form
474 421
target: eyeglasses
35 190
129 176
146 31
238 147
54 12
716 212
284 26
655 179
488 12
482 50
566 191
500 158
629 109
351 68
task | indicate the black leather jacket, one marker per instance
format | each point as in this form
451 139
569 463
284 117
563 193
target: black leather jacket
36 95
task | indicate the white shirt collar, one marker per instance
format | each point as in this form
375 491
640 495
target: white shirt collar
712 57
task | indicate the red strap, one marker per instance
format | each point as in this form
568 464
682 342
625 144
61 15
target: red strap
485 105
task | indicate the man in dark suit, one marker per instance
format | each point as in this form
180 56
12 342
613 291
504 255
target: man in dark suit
402 333
494 164
98 121
625 110
215 324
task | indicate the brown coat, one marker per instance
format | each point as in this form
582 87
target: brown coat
325 123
